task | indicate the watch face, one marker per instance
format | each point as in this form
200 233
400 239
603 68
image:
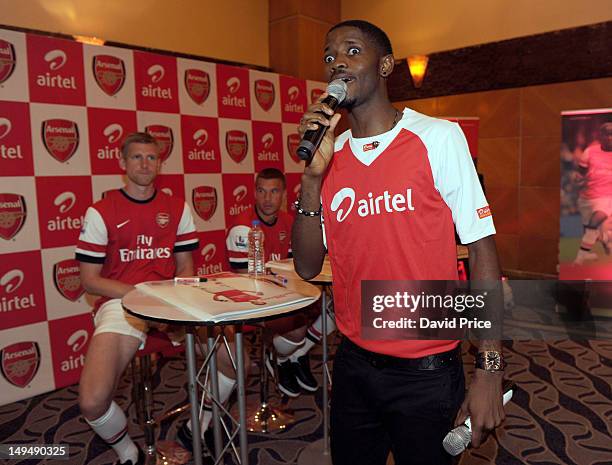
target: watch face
492 361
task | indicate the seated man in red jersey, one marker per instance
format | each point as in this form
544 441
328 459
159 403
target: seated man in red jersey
399 396
293 339
120 234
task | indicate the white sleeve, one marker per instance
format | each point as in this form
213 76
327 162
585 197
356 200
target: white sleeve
237 244
93 238
456 179
186 236
186 225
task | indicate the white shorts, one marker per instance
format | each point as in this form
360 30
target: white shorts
112 318
588 206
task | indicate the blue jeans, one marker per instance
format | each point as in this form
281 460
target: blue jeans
379 405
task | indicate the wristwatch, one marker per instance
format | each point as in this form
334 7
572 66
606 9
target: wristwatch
490 360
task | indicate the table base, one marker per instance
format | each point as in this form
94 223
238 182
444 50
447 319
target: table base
268 419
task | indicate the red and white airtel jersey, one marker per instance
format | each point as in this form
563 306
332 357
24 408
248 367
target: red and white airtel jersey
391 203
599 175
136 240
277 238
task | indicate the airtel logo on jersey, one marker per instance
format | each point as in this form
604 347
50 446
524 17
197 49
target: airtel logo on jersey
372 205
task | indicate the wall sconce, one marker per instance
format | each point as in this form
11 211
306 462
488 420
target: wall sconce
417 64
89 40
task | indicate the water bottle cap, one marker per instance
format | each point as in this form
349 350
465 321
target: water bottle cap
255 223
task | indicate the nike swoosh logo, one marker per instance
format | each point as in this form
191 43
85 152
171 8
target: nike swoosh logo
121 225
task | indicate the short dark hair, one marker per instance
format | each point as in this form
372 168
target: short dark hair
378 36
271 173
137 138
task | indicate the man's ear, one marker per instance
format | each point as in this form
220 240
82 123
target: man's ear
122 162
387 63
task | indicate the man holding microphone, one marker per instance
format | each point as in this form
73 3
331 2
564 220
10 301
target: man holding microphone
411 392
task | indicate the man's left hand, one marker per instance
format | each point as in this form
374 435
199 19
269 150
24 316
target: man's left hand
483 404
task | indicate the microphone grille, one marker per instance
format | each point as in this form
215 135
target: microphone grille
337 89
457 440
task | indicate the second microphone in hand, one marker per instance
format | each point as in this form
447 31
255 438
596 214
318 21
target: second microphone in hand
336 91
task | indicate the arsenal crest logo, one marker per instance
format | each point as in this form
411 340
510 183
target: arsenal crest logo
197 83
237 144
315 94
204 199
109 72
67 279
164 137
20 362
7 60
293 142
264 93
162 219
61 138
12 214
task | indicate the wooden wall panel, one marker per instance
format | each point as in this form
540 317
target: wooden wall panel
539 212
504 203
519 145
297 34
498 110
565 55
323 10
499 161
508 250
540 161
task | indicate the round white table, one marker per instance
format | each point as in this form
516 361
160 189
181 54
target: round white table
149 307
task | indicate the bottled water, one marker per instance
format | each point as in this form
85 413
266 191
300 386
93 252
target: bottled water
256 250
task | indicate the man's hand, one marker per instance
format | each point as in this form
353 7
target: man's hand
483 404
316 114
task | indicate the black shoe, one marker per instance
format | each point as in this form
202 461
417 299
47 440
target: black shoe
287 381
185 439
139 461
303 374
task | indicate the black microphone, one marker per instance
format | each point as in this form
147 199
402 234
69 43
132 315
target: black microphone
313 137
